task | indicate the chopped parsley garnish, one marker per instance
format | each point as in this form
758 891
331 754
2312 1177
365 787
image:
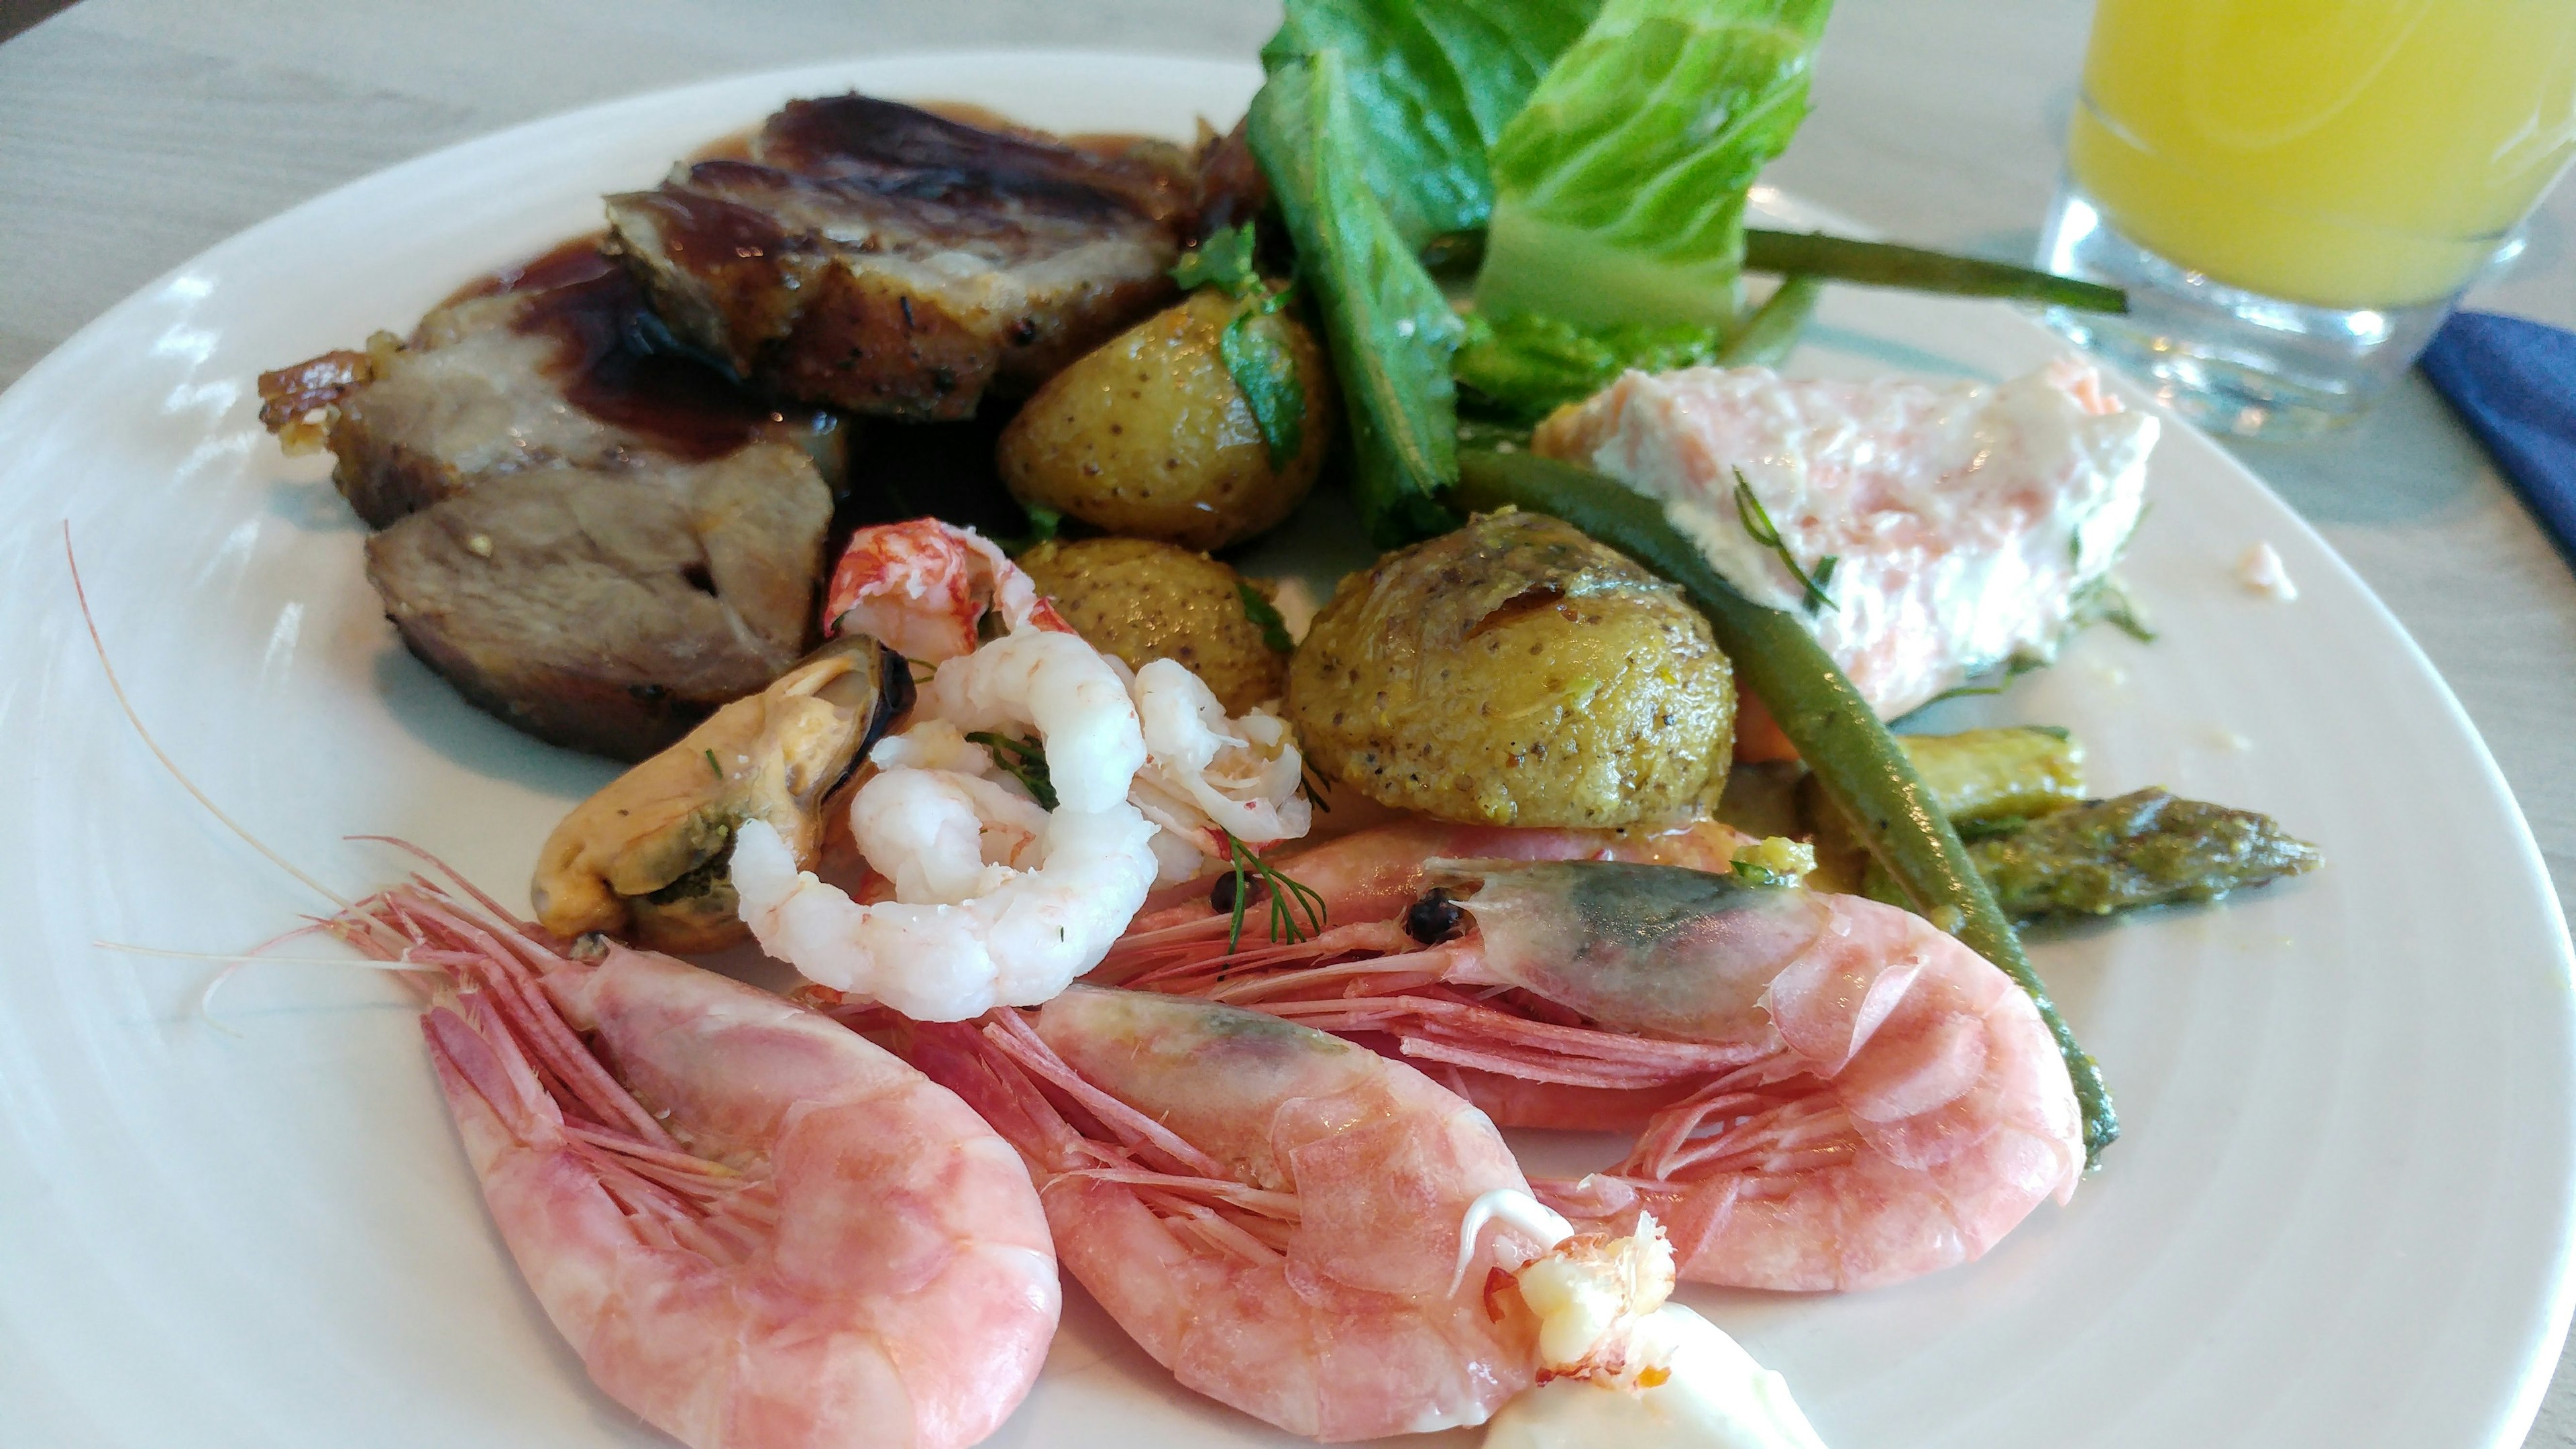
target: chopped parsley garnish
1022 760
1262 369
1265 616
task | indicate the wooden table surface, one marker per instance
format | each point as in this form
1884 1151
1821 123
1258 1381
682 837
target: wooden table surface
134 133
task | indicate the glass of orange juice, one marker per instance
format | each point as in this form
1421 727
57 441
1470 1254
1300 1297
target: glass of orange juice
2296 192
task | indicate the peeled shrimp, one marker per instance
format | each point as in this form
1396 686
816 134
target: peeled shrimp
1272 1213
1828 1093
1208 776
755 1228
998 898
997 901
923 587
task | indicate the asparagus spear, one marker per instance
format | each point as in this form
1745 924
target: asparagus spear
2145 848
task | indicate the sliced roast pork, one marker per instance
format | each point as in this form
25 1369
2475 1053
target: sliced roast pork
875 257
593 534
611 611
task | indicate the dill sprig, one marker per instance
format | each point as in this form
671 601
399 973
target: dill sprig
2104 601
1286 896
1022 760
1757 523
2014 668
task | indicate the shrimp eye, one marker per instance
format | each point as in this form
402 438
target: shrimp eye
1434 918
1222 896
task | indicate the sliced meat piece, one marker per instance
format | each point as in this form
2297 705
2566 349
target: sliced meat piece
878 258
594 534
895 148
549 363
611 611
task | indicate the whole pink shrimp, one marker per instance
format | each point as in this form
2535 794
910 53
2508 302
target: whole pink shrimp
756 1228
1828 1093
923 587
1272 1213
1370 875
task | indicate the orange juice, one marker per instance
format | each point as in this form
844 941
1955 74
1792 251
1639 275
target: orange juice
2341 153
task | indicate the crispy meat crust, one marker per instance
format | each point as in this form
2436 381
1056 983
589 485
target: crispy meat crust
878 258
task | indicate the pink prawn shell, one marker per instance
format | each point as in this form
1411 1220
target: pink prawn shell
1933 1070
1354 1325
906 1294
922 587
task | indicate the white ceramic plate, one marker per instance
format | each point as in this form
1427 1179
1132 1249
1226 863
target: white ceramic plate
2339 1215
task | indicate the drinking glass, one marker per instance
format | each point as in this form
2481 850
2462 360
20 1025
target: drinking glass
2296 192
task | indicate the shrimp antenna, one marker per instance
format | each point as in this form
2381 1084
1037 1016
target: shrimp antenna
136 720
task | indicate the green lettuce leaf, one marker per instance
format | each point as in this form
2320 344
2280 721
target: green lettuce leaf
1390 329
1431 86
1619 188
1526 365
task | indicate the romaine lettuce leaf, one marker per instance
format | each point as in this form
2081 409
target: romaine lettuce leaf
1390 329
1431 85
1619 187
1526 366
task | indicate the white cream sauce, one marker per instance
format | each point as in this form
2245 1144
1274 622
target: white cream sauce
1717 1398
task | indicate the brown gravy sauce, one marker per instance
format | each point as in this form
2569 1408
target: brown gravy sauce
613 360
616 362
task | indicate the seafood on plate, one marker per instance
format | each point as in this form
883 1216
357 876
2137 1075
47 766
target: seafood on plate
1372 875
1274 1214
754 1227
1825 1092
1026 811
645 859
1926 532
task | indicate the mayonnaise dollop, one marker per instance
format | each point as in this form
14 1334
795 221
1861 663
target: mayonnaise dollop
1632 1369
1717 1398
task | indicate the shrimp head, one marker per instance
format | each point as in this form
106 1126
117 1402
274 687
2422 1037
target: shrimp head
924 587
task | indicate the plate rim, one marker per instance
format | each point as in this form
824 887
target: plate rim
2541 1361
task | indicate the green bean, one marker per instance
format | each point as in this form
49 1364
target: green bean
1773 329
1854 759
1880 264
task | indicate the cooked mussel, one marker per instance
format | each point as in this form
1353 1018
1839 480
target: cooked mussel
645 859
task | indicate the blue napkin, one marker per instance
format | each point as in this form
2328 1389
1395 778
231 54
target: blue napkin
2514 383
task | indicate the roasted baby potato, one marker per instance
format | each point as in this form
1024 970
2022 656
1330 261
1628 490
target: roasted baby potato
1148 435
644 860
1143 600
1516 673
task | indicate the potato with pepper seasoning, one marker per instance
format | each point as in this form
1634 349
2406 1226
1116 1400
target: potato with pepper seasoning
1515 672
1141 601
1152 434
